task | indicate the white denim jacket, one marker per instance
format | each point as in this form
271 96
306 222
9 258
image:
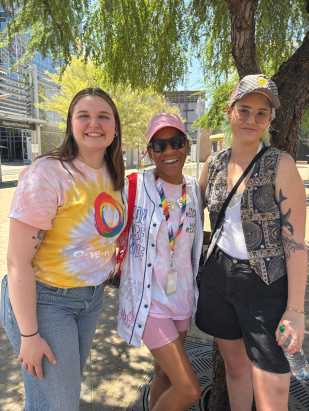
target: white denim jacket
136 270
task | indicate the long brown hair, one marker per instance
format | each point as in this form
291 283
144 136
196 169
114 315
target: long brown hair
68 150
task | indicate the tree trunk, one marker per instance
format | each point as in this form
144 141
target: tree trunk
219 400
292 81
243 36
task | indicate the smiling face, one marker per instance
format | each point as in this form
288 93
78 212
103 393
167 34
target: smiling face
169 164
93 125
249 131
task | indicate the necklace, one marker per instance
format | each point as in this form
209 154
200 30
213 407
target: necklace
167 214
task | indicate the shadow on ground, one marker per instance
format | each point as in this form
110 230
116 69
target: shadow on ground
8 184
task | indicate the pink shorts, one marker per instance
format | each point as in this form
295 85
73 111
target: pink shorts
162 331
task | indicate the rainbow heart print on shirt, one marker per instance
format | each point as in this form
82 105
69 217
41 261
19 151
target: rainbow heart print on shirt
106 207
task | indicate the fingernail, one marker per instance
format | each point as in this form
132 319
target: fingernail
54 362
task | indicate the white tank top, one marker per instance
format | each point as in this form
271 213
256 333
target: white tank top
232 239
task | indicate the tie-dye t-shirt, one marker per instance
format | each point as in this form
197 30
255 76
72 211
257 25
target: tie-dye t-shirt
83 220
178 305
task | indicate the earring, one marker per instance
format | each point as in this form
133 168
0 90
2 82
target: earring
116 134
71 134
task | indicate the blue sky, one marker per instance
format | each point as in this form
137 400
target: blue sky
194 77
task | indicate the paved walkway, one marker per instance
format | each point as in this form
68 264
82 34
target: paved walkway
114 371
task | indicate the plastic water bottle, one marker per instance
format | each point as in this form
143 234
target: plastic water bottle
298 363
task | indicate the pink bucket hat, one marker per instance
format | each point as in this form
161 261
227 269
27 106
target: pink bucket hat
163 120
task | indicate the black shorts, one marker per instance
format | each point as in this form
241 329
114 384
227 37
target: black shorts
234 302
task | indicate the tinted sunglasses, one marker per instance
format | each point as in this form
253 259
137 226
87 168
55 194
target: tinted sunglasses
176 143
261 116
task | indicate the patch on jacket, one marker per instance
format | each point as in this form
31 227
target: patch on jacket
127 318
137 232
130 289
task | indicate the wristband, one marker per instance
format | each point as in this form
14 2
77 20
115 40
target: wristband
30 335
294 309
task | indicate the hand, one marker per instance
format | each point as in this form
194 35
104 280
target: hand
31 353
295 328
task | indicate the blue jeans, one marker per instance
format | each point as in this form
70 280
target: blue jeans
67 320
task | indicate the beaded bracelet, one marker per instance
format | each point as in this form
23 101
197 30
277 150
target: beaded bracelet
294 309
30 335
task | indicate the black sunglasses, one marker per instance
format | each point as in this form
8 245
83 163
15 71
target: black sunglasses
176 143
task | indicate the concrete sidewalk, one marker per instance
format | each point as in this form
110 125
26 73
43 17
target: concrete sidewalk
115 371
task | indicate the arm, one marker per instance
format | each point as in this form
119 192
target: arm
291 197
203 181
24 241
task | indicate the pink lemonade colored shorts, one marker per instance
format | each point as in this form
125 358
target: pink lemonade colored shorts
162 331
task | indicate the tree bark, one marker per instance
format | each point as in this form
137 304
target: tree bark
219 399
243 36
292 81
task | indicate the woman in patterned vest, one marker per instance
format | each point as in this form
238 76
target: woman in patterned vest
254 278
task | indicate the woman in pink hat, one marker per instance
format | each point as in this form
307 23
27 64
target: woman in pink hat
158 290
253 284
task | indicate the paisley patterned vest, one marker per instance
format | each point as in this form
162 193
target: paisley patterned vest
260 213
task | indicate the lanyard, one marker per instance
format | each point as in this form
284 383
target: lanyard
167 214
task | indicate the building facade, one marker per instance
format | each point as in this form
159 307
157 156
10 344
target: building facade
23 126
186 101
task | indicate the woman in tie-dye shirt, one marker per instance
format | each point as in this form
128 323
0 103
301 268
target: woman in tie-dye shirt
66 217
